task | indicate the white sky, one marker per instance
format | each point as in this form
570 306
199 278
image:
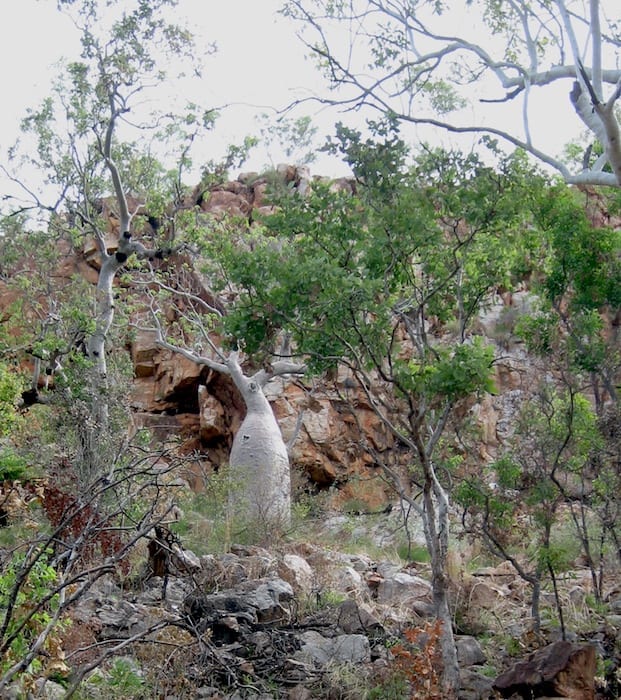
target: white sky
260 63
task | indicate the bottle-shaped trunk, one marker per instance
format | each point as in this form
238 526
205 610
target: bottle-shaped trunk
259 463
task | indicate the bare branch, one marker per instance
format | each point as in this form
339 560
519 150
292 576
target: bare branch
535 55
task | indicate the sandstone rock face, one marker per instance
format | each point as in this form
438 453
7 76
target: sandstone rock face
212 416
325 437
222 203
324 426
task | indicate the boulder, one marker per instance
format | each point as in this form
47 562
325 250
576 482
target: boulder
469 652
49 690
348 580
297 571
250 603
143 351
475 686
403 588
561 669
485 594
357 618
212 416
221 203
319 469
344 648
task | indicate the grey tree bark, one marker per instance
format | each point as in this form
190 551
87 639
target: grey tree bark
259 460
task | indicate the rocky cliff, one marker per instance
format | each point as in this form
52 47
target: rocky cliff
326 423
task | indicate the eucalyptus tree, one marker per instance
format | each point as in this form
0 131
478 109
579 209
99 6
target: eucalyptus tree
96 148
461 66
387 285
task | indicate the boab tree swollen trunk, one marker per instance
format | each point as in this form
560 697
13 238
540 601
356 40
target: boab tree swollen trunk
259 460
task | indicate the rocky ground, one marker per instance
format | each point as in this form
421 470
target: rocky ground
299 620
340 608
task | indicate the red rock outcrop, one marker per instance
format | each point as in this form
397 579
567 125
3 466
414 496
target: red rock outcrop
327 426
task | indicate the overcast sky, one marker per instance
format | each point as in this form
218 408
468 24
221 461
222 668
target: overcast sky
260 63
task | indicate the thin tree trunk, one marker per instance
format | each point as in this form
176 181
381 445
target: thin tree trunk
436 527
534 603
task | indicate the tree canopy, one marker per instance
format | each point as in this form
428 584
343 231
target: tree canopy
456 67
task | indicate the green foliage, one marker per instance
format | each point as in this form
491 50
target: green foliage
395 687
414 240
77 122
579 276
452 374
377 162
216 171
11 386
330 599
122 680
584 263
532 493
28 601
413 552
212 522
12 465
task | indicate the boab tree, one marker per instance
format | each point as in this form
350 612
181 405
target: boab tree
438 63
259 467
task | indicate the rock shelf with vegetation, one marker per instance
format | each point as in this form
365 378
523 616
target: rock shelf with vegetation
282 436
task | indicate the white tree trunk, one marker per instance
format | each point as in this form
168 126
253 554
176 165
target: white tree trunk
259 466
259 462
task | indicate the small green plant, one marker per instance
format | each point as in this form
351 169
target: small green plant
12 466
122 681
489 671
594 605
331 599
512 646
28 603
212 521
10 389
393 687
413 552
